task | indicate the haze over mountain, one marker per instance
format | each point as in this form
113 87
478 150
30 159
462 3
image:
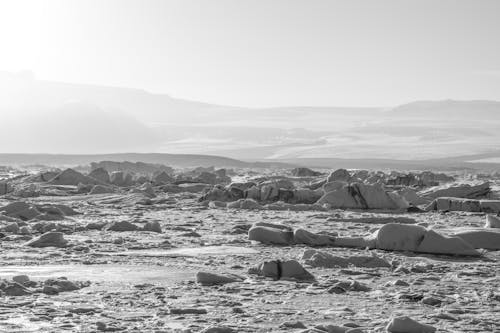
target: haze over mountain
54 117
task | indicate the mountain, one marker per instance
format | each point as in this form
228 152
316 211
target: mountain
73 127
489 162
174 160
449 109
24 92
54 117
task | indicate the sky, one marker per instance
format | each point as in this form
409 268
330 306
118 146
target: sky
262 53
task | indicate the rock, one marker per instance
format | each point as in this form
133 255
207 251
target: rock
217 204
101 189
49 290
315 258
429 178
219 193
223 176
83 310
181 311
72 177
432 301
100 174
293 324
413 209
54 212
345 286
400 283
144 200
14 289
141 179
24 230
21 279
404 180
44 227
101 326
458 191
122 226
490 206
439 244
333 186
43 176
14 207
12 227
209 279
221 173
316 185
66 210
206 178
146 189
55 239
455 204
403 237
361 196
252 193
423 179
27 191
492 221
118 240
372 261
218 329
240 229
61 285
119 178
405 324
271 234
301 236
391 237
483 239
5 187
464 205
141 168
304 172
400 237
305 196
294 208
240 187
339 175
412 197
278 270
84 188
269 193
20 210
153 226
190 234
244 204
270 190
162 178
331 329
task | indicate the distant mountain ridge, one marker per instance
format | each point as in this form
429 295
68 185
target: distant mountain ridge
449 108
65 118
458 163
174 160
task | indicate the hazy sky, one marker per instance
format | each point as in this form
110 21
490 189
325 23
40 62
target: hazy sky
262 53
